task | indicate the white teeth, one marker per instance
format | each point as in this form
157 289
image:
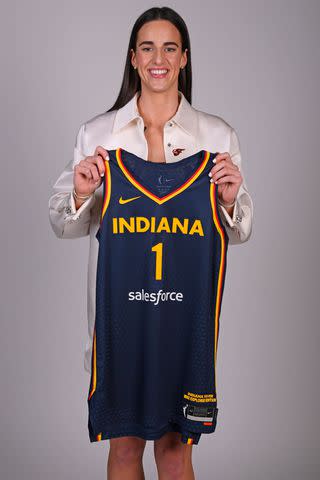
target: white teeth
158 72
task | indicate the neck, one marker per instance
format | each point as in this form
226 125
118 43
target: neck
157 108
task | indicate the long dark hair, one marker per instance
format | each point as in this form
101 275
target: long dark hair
131 82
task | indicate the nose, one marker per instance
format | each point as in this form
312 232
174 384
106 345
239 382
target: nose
158 56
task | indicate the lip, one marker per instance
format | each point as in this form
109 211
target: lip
162 75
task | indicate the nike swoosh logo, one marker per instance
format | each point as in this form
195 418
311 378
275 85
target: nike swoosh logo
121 200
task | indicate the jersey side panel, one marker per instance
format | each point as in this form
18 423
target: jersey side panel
221 264
105 203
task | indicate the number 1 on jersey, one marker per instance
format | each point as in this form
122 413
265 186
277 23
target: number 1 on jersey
158 249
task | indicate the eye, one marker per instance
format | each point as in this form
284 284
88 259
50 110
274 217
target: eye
171 49
146 48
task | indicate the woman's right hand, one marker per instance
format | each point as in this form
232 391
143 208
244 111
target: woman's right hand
88 173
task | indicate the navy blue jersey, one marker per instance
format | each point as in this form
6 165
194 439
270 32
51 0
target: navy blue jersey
160 279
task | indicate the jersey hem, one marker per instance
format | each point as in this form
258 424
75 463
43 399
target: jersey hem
187 436
191 438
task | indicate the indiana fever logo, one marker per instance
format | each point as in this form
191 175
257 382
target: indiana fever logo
177 151
157 225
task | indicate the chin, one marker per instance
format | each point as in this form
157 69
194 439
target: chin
158 88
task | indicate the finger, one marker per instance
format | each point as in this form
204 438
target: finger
84 170
99 162
223 164
91 164
226 179
94 170
222 156
219 167
225 171
101 151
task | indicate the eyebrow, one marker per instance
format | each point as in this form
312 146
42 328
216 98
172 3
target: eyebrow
148 42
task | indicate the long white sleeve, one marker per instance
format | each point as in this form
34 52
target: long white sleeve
65 220
239 227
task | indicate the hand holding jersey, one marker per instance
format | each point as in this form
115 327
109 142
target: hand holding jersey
88 173
227 176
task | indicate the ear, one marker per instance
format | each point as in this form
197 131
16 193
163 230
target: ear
184 60
132 52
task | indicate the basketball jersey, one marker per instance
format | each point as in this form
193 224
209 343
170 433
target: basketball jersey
159 286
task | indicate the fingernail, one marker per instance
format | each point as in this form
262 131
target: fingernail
102 174
210 174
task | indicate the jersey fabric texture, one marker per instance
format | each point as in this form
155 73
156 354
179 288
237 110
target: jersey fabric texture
160 279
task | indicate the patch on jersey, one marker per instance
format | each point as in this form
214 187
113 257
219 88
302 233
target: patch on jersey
200 413
199 397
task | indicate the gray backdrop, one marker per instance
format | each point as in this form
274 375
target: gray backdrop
256 64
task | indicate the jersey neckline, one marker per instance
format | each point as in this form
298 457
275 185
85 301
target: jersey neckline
205 155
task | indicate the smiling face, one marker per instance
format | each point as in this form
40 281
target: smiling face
158 56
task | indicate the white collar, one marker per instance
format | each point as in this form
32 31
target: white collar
185 116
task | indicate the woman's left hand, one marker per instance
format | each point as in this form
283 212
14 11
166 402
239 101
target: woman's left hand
227 177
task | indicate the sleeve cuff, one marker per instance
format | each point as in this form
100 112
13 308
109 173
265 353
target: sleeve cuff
236 216
74 213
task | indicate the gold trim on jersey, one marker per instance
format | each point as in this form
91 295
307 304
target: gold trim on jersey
105 204
161 200
107 192
222 267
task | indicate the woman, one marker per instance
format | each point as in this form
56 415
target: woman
152 118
